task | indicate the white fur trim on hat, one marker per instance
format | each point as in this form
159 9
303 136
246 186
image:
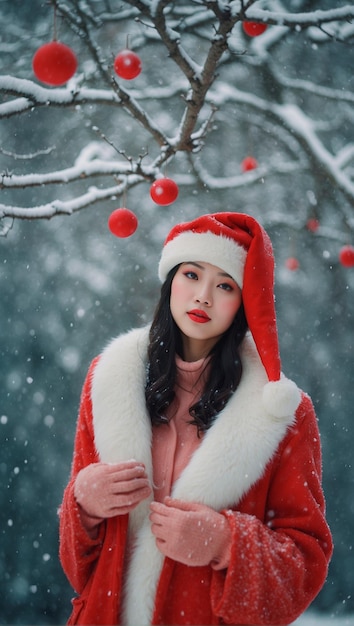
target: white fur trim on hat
281 398
207 247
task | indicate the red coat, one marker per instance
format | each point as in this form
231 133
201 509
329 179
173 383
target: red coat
260 467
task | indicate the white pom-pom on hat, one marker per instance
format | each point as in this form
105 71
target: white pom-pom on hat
281 397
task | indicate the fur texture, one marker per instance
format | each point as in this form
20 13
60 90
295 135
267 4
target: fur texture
232 456
215 249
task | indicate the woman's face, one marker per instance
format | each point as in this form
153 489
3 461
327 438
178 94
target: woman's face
204 301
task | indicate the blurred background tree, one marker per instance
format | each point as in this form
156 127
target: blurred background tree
260 124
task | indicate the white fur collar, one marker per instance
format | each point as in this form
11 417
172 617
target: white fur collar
230 459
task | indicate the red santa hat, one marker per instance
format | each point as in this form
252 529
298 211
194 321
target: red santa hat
239 245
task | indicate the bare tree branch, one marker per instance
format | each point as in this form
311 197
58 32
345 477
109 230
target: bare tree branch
204 42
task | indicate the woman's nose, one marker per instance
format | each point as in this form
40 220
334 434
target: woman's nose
203 297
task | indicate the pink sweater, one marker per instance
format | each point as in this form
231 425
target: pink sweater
174 444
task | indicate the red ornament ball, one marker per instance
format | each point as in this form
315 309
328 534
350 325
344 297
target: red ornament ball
253 29
127 64
164 191
292 263
346 256
312 224
54 63
122 223
249 163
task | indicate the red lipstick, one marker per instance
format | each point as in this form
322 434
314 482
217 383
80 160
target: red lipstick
199 316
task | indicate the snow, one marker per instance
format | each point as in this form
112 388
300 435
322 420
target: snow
304 19
314 619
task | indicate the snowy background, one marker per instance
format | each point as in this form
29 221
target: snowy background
311 619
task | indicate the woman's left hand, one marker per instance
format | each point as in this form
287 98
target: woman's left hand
191 533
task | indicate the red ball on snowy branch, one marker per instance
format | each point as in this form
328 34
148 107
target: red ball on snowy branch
127 64
54 63
254 29
292 263
312 224
346 256
122 222
248 164
164 191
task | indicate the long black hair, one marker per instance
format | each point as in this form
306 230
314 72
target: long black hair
165 341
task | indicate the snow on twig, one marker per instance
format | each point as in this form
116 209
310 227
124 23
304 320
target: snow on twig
66 207
170 22
304 20
84 170
32 95
300 126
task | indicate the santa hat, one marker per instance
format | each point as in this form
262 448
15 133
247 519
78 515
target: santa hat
239 245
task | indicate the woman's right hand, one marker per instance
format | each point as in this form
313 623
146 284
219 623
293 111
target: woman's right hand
104 490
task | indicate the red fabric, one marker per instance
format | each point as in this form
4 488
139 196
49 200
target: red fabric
279 552
258 279
231 225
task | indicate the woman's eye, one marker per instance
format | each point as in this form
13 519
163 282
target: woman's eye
226 286
191 274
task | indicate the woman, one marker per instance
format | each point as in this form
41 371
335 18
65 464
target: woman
195 494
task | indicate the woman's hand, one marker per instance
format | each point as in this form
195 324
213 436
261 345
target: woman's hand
104 490
191 533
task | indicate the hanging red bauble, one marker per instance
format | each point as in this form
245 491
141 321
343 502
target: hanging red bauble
249 163
346 256
292 263
312 224
253 29
127 64
122 222
164 191
54 63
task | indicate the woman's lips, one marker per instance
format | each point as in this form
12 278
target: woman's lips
196 315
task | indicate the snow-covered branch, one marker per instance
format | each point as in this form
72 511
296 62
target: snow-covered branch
301 127
303 20
67 207
201 73
70 174
32 95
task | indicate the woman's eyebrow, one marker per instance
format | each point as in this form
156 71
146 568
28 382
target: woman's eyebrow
224 274
193 263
